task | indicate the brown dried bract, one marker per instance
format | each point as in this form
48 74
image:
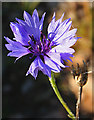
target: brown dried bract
80 74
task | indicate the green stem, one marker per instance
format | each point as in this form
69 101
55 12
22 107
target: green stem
53 84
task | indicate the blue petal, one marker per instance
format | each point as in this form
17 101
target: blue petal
17 53
54 66
62 49
70 33
20 34
26 27
41 22
56 58
54 25
66 37
61 31
30 30
22 22
28 19
35 18
17 49
36 34
14 44
65 56
69 42
64 23
44 68
36 65
60 20
33 69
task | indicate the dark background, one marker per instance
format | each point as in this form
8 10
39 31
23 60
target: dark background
25 97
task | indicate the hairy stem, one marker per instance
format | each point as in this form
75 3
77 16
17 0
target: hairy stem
78 103
53 84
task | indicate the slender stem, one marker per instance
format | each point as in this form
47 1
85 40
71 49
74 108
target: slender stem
78 103
53 84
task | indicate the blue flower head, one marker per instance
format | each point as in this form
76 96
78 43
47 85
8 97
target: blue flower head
50 52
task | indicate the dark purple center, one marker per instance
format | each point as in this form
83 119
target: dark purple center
39 48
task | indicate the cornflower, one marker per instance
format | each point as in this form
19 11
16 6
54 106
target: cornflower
50 52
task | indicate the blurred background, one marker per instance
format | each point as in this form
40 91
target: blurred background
25 97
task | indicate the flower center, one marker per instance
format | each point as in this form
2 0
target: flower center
39 48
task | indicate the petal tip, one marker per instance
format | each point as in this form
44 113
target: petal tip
25 12
5 37
8 54
27 73
35 10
